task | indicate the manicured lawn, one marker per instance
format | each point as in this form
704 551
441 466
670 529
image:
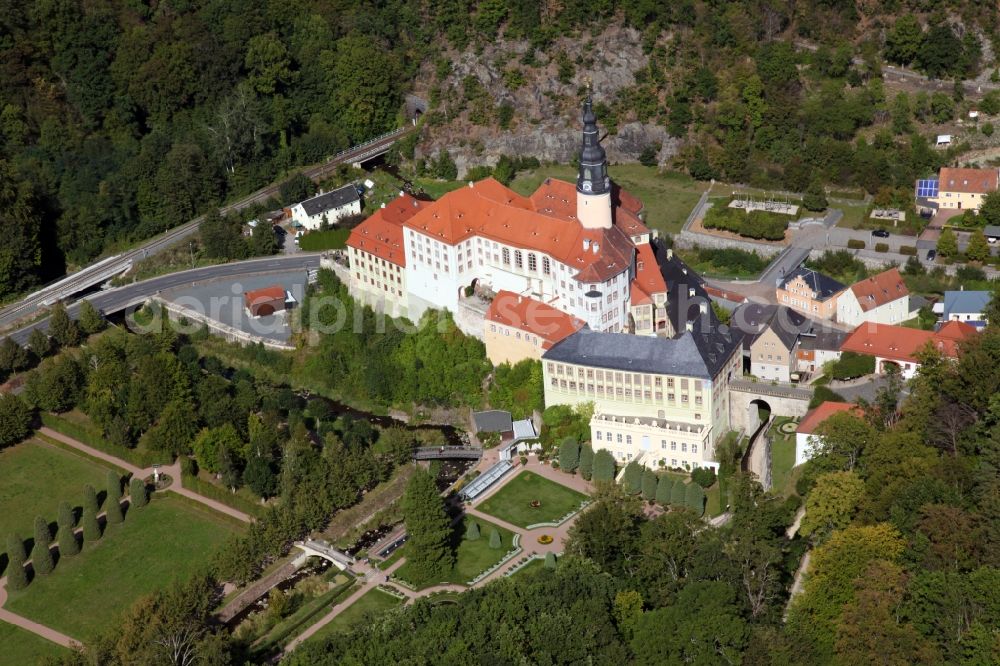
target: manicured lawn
533 565
22 647
782 458
373 601
668 197
512 503
333 239
471 557
165 541
34 478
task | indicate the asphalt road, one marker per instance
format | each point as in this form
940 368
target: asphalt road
114 300
100 271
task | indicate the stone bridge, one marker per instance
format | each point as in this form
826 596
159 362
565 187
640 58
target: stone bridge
322 549
746 397
447 453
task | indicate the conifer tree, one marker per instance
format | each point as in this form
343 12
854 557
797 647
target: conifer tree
678 494
604 465
472 532
91 526
569 455
90 499
17 577
695 498
663 488
66 536
550 560
137 493
495 541
429 554
41 557
112 505
649 484
632 479
586 467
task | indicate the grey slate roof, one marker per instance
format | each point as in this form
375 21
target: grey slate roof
823 285
752 319
494 420
632 353
822 338
992 231
965 302
331 200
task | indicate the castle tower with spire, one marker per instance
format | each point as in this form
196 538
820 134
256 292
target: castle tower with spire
593 186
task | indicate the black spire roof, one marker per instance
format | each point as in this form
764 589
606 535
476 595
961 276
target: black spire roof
593 175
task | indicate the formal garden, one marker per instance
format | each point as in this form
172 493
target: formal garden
530 499
757 224
35 477
167 540
477 544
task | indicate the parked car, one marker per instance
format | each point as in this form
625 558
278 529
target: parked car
880 233
931 255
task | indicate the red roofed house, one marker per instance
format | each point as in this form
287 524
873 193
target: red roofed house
518 327
806 441
377 259
899 345
881 299
965 188
577 248
264 302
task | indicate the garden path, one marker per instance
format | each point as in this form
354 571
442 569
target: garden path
24 623
173 471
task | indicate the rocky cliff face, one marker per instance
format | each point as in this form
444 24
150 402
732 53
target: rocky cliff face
546 120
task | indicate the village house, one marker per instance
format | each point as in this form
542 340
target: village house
899 346
818 345
966 306
327 208
881 299
810 293
806 439
964 188
770 339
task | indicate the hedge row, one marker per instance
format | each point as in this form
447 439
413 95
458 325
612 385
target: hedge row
212 491
755 224
881 247
908 250
137 457
856 244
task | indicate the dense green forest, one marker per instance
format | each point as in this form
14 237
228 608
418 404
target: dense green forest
121 119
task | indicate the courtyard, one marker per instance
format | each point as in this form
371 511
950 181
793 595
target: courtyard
530 499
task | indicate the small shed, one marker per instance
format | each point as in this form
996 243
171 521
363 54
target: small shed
943 140
264 302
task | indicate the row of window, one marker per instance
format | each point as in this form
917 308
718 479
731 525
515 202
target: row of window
617 438
618 377
505 330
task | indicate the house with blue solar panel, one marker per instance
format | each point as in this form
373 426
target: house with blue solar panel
956 189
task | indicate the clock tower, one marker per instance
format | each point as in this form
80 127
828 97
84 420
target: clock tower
593 187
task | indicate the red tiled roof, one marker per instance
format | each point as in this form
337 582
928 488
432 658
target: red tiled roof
267 293
533 316
545 222
827 409
382 233
648 278
880 289
978 181
900 343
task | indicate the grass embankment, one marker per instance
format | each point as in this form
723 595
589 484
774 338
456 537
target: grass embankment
373 601
34 478
668 197
726 263
165 541
21 647
782 458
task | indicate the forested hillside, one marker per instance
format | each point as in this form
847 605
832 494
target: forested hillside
120 119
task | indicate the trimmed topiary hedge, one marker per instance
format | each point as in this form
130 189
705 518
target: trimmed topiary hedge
856 244
881 247
908 250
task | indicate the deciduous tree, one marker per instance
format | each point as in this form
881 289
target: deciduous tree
63 329
15 419
831 503
89 319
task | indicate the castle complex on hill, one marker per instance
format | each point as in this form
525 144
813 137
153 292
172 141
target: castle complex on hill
577 280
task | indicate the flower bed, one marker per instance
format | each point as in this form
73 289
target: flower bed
545 539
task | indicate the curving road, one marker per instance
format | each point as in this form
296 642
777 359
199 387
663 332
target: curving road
100 271
114 300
